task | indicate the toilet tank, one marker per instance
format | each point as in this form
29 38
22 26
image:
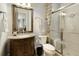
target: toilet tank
43 39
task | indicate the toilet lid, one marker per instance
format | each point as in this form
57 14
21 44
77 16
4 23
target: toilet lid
49 47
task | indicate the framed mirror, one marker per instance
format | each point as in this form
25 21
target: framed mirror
22 19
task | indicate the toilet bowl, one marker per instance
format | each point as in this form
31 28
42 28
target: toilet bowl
49 50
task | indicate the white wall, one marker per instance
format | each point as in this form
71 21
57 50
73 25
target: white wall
39 17
9 13
39 22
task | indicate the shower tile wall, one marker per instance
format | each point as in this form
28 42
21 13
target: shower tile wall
71 30
48 17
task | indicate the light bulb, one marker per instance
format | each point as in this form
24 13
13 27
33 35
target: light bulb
23 4
29 5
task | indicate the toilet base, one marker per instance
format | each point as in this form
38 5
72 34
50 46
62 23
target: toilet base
49 50
48 54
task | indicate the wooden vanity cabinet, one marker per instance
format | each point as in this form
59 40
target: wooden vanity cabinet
22 47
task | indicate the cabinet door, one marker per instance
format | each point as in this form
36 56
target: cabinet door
29 46
17 47
22 47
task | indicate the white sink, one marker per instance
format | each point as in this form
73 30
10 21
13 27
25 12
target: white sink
42 35
21 36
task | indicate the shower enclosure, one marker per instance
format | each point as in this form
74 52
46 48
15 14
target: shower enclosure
65 29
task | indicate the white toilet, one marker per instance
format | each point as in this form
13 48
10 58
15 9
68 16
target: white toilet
49 50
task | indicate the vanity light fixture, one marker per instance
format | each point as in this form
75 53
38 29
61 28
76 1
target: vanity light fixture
28 5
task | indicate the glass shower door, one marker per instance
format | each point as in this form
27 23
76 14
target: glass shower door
56 31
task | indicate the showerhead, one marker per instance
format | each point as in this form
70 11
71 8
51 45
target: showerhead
63 14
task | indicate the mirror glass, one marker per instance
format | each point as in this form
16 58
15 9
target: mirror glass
23 18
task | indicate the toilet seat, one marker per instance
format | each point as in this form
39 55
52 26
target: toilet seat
48 47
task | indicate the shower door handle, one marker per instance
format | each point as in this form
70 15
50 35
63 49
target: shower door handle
63 44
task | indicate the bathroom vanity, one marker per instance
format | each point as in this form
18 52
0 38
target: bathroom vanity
21 42
21 45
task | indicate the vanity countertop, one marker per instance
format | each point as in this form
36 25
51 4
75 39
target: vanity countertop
21 36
